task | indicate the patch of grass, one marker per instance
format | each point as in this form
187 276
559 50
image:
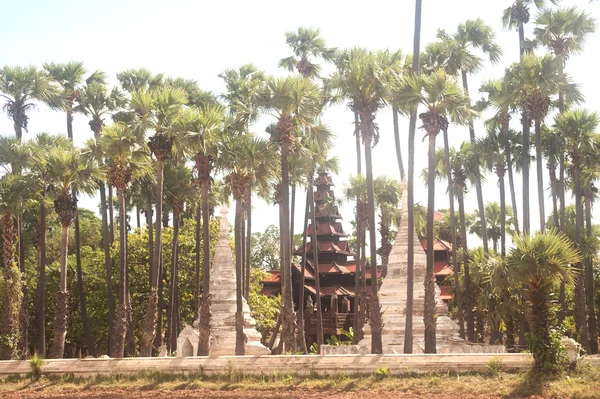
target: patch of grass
583 383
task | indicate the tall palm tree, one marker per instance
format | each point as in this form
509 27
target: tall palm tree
201 130
37 182
12 295
360 80
237 163
356 190
473 34
588 178
440 94
20 87
161 109
564 32
126 161
306 42
579 129
539 262
517 15
69 77
296 103
408 335
243 87
492 150
68 172
95 101
179 190
536 80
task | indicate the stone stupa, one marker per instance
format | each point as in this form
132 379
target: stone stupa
392 297
222 288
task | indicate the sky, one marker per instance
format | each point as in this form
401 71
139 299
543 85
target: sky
200 39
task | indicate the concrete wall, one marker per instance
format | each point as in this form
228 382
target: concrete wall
283 364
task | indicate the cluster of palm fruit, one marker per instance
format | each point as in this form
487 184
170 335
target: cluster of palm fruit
277 194
520 13
96 124
239 183
119 176
204 166
161 145
283 132
65 206
431 123
304 66
537 105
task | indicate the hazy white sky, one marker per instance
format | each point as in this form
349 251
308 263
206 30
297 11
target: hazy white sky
200 39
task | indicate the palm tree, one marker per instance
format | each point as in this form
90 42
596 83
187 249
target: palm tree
296 103
539 262
441 96
162 107
563 31
133 80
536 80
412 127
20 87
201 131
126 160
578 127
517 15
306 42
68 172
492 148
179 190
243 87
387 195
356 190
360 79
473 34
10 331
236 159
69 78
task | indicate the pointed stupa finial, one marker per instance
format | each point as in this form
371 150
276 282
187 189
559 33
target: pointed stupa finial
224 222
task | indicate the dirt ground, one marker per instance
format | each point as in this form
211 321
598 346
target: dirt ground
245 394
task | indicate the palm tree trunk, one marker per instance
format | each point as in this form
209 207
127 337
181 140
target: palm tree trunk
122 309
204 322
525 168
292 216
62 299
315 256
429 306
357 138
87 331
456 264
468 297
502 214
70 120
240 349
158 339
111 216
511 183
589 279
580 298
397 142
23 311
288 304
408 333
198 236
540 174
248 239
554 192
359 277
302 273
150 227
107 266
480 206
150 319
138 217
41 289
245 276
376 322
173 302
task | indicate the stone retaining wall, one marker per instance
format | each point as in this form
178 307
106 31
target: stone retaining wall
283 364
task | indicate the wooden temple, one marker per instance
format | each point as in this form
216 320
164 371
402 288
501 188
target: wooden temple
336 268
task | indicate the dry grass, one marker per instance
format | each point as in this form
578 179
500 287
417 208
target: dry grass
584 383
